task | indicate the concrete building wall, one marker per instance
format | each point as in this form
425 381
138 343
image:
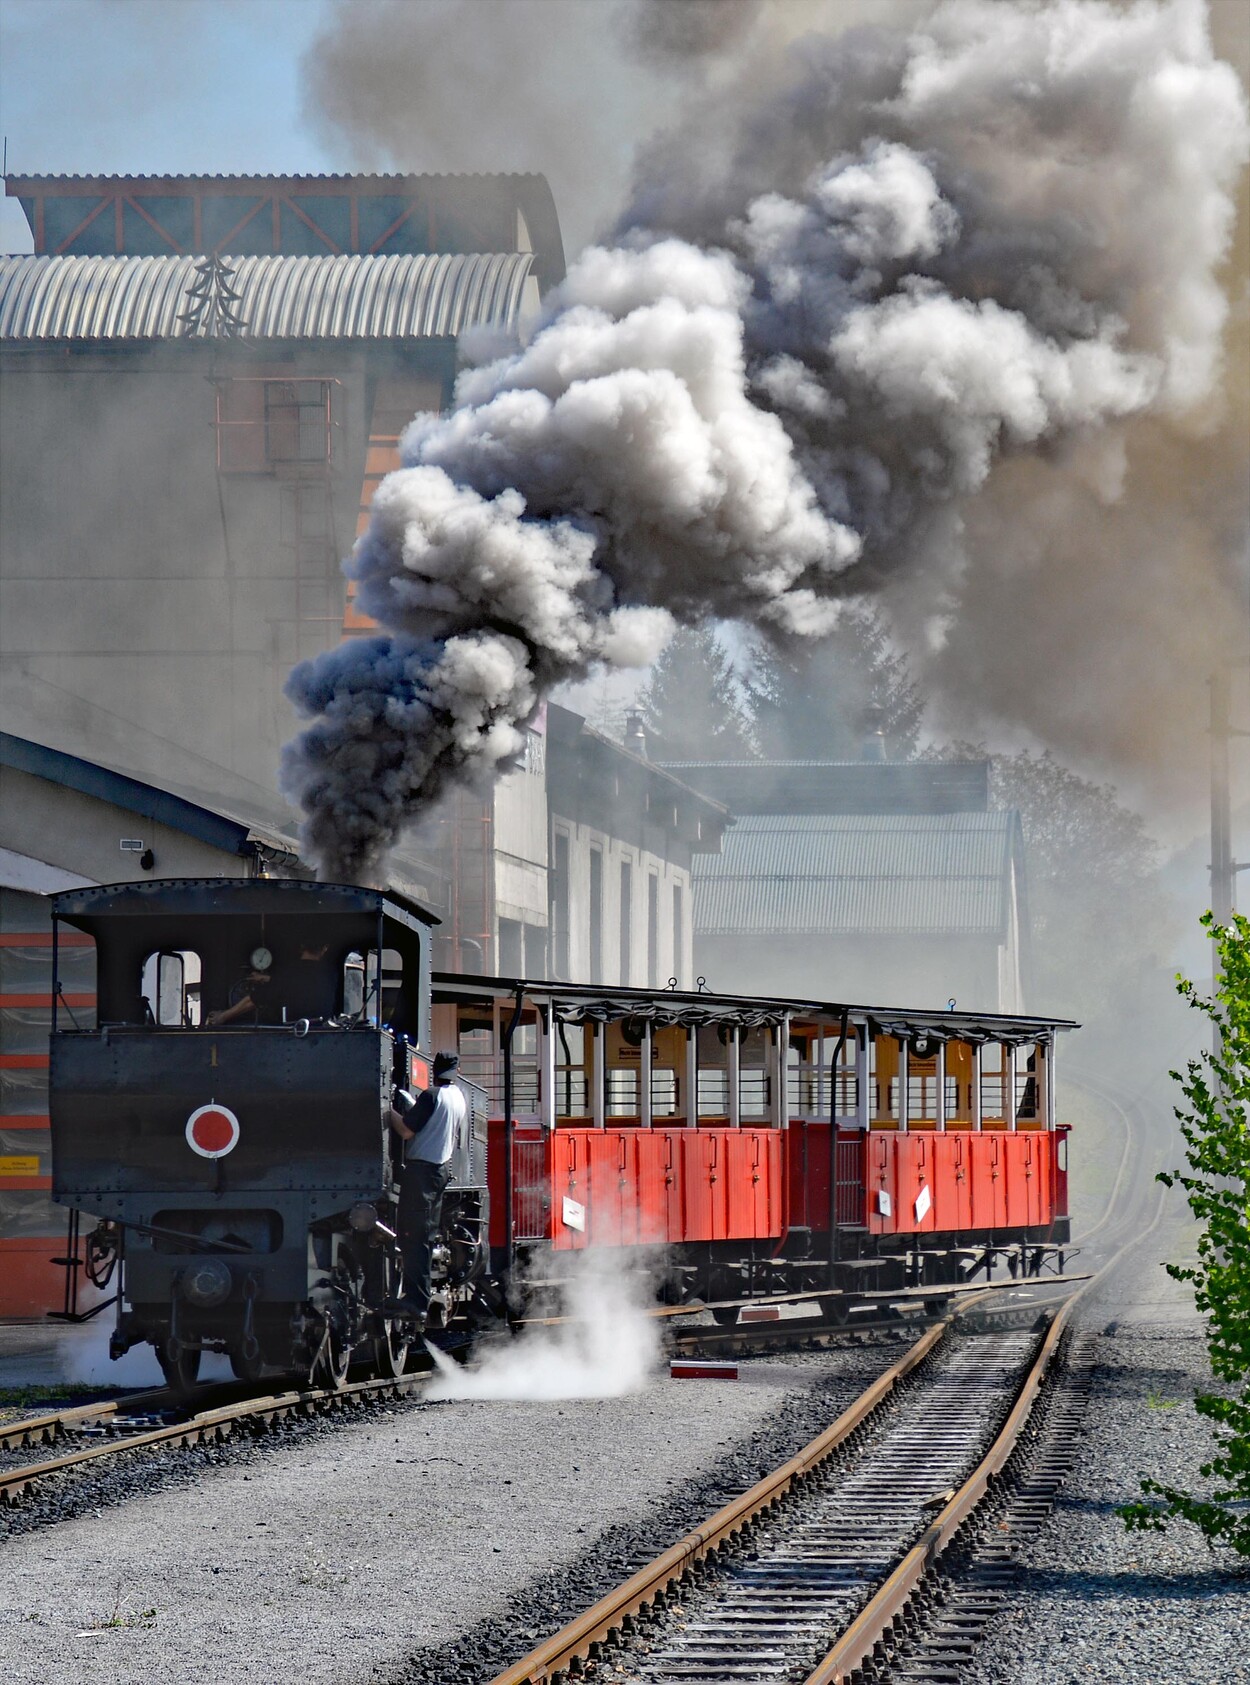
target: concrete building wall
648 965
520 835
78 833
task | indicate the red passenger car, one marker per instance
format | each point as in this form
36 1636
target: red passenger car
768 1146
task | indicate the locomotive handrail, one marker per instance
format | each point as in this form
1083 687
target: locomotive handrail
199 1242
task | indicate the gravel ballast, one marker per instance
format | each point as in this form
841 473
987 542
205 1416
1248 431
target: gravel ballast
385 1547
1096 1602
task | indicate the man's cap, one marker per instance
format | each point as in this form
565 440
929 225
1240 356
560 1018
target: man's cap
445 1062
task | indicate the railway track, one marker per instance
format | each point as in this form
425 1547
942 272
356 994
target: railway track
893 1569
753 1592
149 1421
157 1418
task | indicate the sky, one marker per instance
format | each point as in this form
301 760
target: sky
227 86
126 87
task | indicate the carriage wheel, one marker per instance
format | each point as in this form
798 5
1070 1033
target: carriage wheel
180 1372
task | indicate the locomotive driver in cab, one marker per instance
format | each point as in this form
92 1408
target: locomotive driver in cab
431 1128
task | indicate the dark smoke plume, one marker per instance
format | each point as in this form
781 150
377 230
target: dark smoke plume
828 313
661 31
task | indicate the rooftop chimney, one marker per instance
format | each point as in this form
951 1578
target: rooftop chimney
635 735
874 746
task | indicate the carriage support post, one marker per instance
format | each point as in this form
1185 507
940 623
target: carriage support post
833 1146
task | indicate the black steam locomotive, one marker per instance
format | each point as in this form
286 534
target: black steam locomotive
226 1120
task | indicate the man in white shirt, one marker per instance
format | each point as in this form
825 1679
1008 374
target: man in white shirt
431 1131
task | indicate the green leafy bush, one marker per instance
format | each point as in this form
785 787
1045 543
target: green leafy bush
1214 1122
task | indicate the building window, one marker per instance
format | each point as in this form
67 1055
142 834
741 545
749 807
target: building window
535 950
596 915
679 934
627 919
511 957
266 424
653 930
560 906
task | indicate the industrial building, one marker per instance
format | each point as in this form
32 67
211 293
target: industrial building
202 382
864 880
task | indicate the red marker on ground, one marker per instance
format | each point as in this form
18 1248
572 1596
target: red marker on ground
702 1369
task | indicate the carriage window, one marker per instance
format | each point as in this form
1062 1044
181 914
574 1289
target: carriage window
171 988
1026 1083
572 1088
993 1080
755 1082
622 1092
663 1092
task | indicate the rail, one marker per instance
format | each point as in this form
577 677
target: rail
864 1633
203 1425
603 1619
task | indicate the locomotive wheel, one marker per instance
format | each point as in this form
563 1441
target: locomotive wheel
180 1372
333 1359
390 1350
245 1368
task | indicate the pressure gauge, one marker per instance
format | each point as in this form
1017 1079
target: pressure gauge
262 959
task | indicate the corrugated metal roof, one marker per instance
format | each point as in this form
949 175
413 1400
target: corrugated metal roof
17 181
408 296
834 874
846 787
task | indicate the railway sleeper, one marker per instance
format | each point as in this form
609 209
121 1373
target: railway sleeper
956 1604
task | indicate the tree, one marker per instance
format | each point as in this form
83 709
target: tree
1101 921
691 703
825 699
1215 1123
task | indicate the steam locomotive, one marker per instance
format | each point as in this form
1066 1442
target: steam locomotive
224 1119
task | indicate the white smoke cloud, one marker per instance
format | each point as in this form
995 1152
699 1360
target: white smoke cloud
608 1346
831 308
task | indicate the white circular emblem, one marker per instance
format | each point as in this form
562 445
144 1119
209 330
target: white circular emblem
212 1131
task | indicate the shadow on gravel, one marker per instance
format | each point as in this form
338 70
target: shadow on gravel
1137 1383
1081 1585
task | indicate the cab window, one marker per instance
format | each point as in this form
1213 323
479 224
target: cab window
171 989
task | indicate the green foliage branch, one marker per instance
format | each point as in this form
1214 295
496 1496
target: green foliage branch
1216 1126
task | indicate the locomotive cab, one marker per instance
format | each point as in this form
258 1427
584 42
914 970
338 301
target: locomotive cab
226 1117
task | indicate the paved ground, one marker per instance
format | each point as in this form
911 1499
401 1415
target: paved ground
335 1558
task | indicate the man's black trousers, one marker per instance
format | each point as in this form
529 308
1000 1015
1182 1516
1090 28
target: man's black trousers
421 1191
